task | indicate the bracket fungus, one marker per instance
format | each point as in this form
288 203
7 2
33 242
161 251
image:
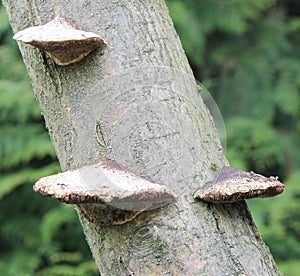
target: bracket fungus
64 43
231 185
105 193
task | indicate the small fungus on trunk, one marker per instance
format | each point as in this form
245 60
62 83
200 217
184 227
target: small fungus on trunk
231 185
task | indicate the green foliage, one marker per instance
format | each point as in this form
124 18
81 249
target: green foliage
279 220
290 268
38 236
247 53
195 20
256 144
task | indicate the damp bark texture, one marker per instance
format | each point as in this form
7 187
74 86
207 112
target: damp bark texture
136 103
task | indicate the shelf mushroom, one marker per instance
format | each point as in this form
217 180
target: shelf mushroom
59 38
105 193
231 185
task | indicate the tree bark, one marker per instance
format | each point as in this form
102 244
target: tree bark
141 92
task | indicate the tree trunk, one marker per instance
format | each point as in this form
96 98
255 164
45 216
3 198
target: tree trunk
141 92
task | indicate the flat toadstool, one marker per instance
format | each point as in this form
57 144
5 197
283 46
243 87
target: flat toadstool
231 185
105 193
61 40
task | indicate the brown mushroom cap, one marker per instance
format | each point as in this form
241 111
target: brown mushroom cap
231 185
61 40
106 182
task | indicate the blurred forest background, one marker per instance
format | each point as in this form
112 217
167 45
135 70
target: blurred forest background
246 52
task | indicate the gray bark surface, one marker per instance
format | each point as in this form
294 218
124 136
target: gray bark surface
141 93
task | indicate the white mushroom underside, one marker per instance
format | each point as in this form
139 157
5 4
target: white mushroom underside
51 34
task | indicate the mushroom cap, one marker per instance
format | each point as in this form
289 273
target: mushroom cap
107 183
232 184
61 40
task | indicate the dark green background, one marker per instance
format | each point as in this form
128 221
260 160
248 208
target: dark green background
246 52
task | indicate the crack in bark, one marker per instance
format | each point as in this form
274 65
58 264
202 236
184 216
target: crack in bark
237 266
250 222
52 72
